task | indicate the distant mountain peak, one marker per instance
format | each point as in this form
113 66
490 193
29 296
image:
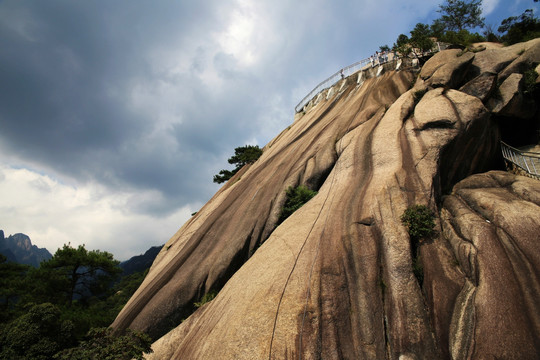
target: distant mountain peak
19 248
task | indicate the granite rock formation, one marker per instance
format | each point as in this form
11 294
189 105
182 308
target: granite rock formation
335 280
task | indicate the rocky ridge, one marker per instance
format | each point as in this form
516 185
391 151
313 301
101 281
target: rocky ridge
336 279
18 248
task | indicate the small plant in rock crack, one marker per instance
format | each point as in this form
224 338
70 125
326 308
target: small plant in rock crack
420 222
209 296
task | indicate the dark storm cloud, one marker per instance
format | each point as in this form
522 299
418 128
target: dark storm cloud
66 73
115 115
155 96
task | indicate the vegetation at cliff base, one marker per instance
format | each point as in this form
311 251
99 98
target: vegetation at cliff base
242 156
295 198
77 274
38 334
101 343
63 304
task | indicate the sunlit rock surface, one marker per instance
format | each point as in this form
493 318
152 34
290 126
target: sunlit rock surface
335 280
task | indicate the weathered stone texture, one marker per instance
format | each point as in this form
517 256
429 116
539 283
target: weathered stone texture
492 223
335 280
447 68
510 101
481 86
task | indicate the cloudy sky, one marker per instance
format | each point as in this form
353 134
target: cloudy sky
114 115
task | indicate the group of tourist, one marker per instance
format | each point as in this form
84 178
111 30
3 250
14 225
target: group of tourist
378 58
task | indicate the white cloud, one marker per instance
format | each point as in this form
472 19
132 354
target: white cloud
488 6
53 214
237 38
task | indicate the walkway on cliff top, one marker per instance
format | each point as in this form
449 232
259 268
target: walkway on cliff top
361 65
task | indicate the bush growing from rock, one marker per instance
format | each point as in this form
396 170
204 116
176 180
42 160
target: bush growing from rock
209 296
529 81
420 222
295 198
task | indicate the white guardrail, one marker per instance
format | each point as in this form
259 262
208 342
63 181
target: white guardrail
349 70
334 78
525 160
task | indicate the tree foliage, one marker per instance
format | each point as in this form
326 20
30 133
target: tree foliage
520 28
38 334
76 273
437 29
33 328
402 45
12 285
384 48
463 37
457 15
242 156
101 343
489 33
420 38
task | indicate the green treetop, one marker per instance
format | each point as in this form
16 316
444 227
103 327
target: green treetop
242 156
77 273
457 15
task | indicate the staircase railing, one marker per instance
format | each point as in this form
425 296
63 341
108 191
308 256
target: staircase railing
525 160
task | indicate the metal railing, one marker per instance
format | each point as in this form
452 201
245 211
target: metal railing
330 81
349 70
334 78
525 160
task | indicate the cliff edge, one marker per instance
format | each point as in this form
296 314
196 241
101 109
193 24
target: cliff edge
336 279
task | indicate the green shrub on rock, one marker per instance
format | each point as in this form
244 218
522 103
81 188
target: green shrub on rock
295 198
420 222
209 296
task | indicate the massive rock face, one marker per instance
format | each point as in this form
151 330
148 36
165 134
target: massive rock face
491 222
336 280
